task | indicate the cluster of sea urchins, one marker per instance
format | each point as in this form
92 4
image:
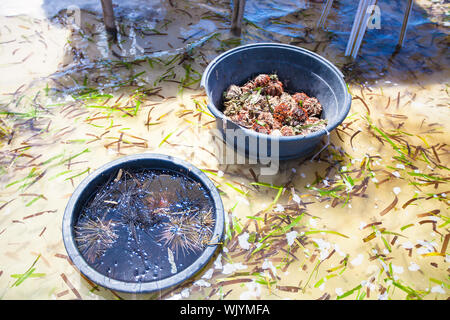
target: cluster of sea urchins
129 199
262 105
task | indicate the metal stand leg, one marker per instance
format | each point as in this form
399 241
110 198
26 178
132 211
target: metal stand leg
359 28
108 18
401 39
325 13
238 14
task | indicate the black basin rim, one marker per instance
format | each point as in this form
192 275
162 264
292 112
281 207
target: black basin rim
151 286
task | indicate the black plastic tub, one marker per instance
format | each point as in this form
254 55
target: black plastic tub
300 70
90 185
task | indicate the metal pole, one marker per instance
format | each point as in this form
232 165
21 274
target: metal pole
108 18
355 28
359 27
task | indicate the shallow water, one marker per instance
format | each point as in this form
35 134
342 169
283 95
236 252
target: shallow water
126 230
74 105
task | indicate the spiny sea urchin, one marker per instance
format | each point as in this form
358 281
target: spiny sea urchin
94 236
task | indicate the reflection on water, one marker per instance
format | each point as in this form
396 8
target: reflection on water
367 220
